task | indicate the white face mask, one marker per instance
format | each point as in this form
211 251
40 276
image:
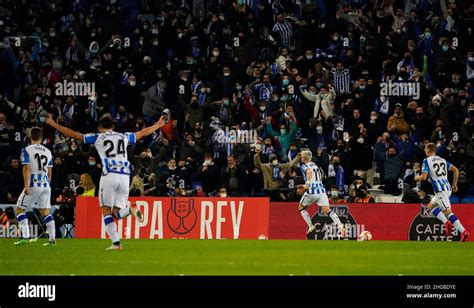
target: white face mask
360 140
223 195
226 74
263 108
133 83
215 53
334 193
373 118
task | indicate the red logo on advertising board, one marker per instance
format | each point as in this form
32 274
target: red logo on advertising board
181 217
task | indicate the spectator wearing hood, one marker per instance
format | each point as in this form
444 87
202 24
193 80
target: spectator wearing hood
167 129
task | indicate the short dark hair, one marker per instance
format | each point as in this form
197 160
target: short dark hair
36 134
106 123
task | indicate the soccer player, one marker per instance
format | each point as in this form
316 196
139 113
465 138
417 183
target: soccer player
314 192
436 168
37 163
115 180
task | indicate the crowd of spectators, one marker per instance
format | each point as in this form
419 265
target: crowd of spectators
301 74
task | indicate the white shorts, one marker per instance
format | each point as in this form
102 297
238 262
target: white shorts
113 190
441 200
38 198
319 199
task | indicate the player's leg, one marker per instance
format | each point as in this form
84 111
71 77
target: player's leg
121 209
456 223
106 199
304 202
323 202
111 228
45 211
435 208
21 206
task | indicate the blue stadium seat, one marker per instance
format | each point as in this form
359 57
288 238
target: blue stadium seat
454 199
467 199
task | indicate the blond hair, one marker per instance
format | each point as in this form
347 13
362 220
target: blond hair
430 147
86 182
307 154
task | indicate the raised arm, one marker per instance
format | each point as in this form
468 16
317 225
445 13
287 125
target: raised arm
64 130
150 130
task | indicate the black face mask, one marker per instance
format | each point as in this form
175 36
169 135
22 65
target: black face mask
336 164
392 155
420 115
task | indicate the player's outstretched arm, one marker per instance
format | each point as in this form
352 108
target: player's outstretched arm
64 130
150 130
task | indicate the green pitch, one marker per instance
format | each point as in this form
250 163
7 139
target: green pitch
241 257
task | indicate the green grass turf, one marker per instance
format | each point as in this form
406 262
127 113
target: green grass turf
241 257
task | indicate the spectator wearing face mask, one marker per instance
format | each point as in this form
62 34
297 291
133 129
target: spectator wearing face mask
393 168
322 101
222 192
336 175
273 172
335 196
207 174
284 137
94 169
225 83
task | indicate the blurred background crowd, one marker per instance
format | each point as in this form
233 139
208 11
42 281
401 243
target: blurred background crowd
299 73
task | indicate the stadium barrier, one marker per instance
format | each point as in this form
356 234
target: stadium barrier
397 221
200 218
252 218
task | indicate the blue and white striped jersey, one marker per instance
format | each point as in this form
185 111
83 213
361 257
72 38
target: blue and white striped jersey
39 158
112 148
437 169
316 185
